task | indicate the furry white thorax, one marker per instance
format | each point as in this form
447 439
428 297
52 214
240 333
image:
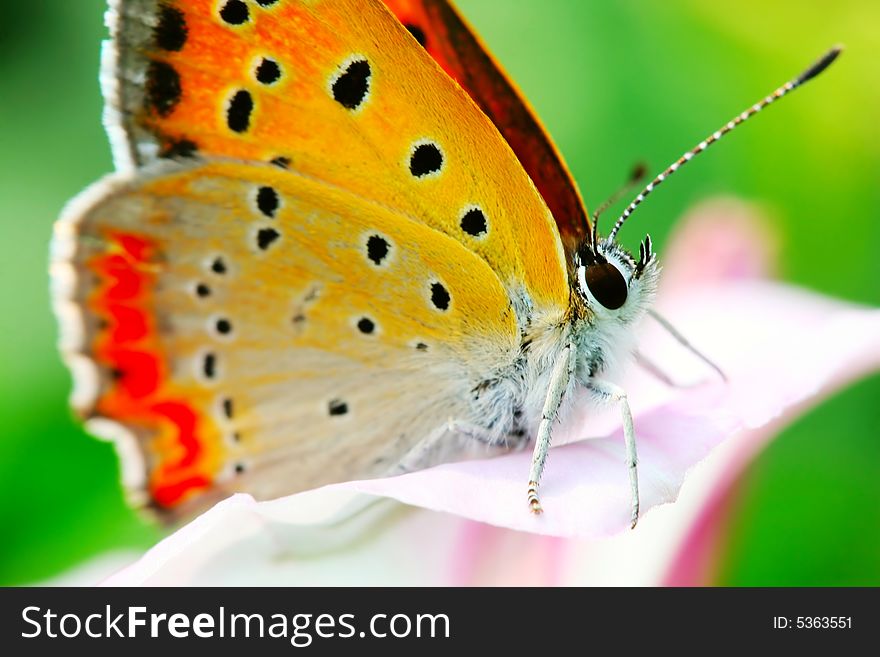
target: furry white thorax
603 341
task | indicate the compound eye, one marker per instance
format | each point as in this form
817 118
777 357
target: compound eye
606 284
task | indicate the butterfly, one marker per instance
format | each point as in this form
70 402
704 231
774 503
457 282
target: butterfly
338 244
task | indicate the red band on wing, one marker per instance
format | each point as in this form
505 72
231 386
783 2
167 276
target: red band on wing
181 454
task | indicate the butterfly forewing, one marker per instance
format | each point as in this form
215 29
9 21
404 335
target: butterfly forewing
349 98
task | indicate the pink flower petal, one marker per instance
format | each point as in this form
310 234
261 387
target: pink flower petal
781 349
694 560
719 240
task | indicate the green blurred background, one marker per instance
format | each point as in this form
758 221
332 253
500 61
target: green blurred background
615 82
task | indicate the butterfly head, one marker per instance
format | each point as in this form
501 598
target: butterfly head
612 283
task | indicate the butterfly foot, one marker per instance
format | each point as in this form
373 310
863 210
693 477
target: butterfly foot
534 502
635 517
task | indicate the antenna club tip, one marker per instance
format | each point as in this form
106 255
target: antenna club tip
640 170
821 64
833 53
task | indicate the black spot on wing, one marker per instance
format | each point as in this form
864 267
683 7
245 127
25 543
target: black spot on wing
473 222
238 113
223 326
268 71
366 325
178 148
171 30
163 88
337 407
377 249
425 159
268 201
266 237
234 12
209 366
440 296
351 87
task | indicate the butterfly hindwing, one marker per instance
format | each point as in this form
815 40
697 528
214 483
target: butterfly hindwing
254 329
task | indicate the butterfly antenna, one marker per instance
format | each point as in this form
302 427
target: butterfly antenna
636 176
814 70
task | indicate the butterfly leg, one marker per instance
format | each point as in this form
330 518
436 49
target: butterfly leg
617 395
563 372
659 373
684 342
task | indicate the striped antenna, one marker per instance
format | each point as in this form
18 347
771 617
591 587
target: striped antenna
820 65
635 177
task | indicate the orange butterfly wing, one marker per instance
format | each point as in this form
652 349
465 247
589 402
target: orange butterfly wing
447 37
189 80
282 82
